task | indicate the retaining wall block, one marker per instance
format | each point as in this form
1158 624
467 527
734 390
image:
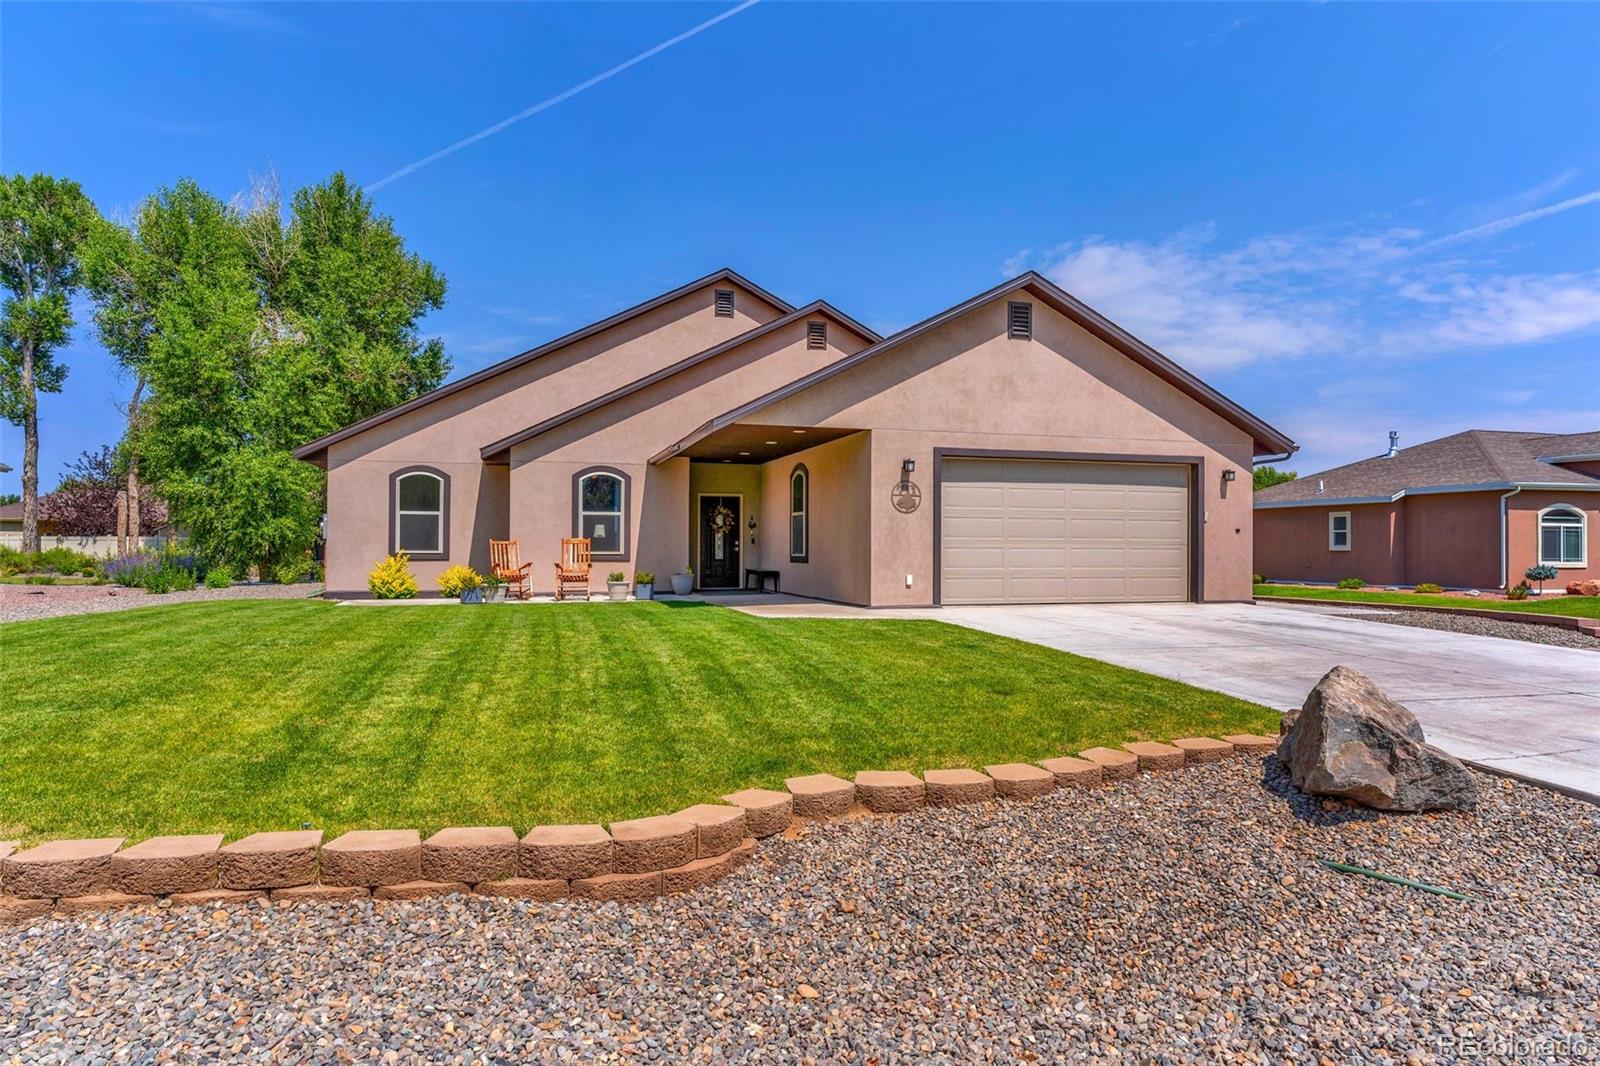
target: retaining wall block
1155 756
319 893
470 855
566 853
60 868
1114 765
766 812
1252 744
213 896
102 901
1072 772
618 886
372 857
890 791
820 795
654 843
1019 780
947 788
695 874
423 889
270 860
523 888
1198 750
161 866
721 827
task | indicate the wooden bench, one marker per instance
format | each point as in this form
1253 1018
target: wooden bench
761 577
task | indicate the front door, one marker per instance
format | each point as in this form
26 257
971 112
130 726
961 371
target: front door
719 542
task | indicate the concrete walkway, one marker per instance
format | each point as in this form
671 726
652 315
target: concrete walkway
1528 709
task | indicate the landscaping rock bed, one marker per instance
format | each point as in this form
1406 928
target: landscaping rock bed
1173 916
1484 627
19 603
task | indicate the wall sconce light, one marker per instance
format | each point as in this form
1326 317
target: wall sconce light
1229 475
752 525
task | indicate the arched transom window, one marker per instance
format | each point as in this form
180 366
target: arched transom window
1562 536
602 508
419 501
799 514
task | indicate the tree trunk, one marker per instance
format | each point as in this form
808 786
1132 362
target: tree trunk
30 453
135 532
122 523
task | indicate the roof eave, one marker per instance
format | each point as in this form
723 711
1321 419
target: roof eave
1428 490
311 452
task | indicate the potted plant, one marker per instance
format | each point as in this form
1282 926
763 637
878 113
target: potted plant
494 588
683 581
1541 573
644 584
617 586
463 582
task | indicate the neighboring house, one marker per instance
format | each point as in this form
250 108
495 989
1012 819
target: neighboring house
1017 447
1472 510
50 535
11 519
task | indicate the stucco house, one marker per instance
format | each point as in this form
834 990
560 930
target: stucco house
1017 447
1472 510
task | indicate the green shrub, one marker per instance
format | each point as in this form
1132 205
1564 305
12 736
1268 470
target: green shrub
292 572
40 579
391 579
1257 579
219 577
643 577
616 576
1427 586
64 561
1352 583
1518 591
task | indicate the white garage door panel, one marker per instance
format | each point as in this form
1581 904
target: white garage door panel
1046 531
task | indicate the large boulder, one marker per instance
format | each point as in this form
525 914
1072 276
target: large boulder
1350 740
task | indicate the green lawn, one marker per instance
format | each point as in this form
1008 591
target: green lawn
1579 606
236 717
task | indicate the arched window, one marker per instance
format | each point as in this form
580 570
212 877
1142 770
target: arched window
600 510
799 514
1562 536
419 513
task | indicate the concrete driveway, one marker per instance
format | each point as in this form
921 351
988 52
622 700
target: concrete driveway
1525 708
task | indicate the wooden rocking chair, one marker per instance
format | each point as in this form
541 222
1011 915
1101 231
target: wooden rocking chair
572 572
505 562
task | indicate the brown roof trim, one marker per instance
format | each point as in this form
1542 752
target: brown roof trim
1270 439
310 451
492 452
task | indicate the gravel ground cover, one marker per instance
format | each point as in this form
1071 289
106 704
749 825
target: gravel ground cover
1485 627
1176 917
22 602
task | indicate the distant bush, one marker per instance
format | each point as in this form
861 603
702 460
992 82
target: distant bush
292 572
56 560
1257 579
392 579
219 577
1352 583
155 571
1518 591
1427 586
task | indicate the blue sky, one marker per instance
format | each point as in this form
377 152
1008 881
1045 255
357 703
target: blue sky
1350 218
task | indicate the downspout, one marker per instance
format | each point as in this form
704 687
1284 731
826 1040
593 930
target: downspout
1505 577
1270 459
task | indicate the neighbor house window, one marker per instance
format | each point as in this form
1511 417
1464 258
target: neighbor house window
419 506
799 519
1561 536
1339 531
600 507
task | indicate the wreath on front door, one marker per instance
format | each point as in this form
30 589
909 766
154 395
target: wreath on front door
721 519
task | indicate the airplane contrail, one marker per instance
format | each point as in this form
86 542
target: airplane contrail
1500 225
566 94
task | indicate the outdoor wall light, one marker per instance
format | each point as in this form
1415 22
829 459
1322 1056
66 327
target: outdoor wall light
1229 475
907 466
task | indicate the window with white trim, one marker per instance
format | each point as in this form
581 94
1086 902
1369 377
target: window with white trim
799 514
419 513
602 503
1339 531
1562 536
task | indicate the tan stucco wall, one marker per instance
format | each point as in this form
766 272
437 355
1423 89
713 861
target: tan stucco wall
448 433
966 385
1522 525
624 435
726 479
839 556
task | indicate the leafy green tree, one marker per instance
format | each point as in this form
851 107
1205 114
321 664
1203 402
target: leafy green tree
44 222
251 334
9 497
1267 476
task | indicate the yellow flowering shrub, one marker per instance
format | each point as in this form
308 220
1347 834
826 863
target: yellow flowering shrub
458 579
392 579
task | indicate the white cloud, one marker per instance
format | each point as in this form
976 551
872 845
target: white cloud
1331 436
1333 292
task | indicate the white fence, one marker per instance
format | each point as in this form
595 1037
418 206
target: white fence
100 546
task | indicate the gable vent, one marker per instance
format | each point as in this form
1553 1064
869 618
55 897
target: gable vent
816 334
724 303
1019 316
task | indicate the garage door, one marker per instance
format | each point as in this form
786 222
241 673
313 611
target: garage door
1037 531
